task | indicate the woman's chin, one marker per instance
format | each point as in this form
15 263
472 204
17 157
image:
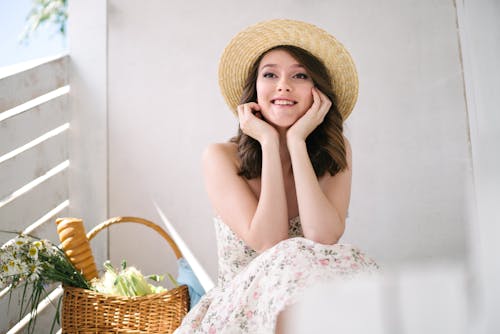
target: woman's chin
281 121
282 124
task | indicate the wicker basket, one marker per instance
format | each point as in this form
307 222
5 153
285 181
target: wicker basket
86 311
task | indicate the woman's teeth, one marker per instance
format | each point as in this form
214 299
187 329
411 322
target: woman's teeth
283 102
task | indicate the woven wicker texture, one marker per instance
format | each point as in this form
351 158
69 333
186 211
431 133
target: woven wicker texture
86 311
245 48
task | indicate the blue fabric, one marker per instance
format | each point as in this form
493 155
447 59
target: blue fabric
187 277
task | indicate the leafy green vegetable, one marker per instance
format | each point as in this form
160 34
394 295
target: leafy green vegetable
127 282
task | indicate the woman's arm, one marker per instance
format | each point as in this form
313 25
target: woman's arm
322 208
261 222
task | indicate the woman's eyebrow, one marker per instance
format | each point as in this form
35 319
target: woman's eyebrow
268 65
275 65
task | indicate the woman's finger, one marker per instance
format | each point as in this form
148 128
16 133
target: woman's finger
318 94
251 108
248 113
324 98
325 103
246 109
316 100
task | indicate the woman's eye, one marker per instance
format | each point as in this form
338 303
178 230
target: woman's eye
268 75
301 76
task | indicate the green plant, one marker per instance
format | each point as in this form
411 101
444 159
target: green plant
45 11
26 260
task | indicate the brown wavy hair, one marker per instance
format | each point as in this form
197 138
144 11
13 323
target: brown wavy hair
325 145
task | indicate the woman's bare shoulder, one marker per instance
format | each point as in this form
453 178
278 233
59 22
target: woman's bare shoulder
221 153
348 150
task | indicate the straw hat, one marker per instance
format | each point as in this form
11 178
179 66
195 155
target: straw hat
244 49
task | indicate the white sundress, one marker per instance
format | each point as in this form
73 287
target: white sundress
253 289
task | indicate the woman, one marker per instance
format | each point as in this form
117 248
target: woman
280 189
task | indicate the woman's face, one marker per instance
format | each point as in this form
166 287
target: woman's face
284 89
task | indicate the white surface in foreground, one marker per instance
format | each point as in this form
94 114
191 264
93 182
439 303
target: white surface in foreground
411 300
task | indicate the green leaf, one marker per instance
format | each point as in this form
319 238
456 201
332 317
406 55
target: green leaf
173 280
48 11
156 278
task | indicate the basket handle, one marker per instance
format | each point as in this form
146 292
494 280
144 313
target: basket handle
150 224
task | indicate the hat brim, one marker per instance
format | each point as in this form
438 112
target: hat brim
246 47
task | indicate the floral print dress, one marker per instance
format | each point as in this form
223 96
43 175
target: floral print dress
253 289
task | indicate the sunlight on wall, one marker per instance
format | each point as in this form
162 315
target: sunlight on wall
198 269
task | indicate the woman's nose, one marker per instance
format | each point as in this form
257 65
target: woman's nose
284 85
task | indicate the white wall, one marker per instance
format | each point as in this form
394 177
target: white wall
479 26
412 165
412 169
88 186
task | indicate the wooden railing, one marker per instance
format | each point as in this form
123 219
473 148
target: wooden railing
34 164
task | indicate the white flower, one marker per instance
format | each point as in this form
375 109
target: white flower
10 268
33 252
20 267
18 242
34 273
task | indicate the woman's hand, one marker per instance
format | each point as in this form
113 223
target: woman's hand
312 118
252 124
